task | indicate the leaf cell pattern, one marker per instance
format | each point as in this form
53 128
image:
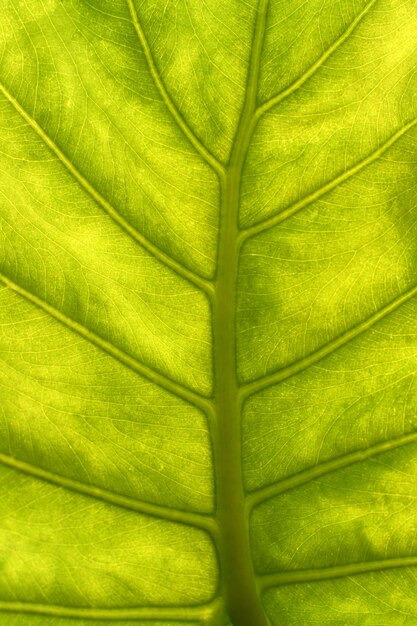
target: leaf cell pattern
207 312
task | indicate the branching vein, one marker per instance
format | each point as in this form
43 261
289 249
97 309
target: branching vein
188 518
270 491
157 378
299 366
183 614
266 106
164 258
325 189
176 115
330 573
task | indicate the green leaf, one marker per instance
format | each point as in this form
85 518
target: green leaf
208 303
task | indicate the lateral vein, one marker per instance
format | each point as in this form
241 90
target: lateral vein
329 573
198 520
325 189
299 366
286 484
184 614
204 152
162 257
157 378
269 104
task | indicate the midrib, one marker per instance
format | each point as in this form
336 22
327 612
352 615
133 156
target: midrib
239 583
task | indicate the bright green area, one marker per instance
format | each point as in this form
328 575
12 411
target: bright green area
208 304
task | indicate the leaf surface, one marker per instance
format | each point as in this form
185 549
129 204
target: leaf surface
207 312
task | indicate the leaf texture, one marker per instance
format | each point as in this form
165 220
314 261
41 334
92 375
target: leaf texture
208 300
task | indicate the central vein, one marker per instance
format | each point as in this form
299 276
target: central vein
238 576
